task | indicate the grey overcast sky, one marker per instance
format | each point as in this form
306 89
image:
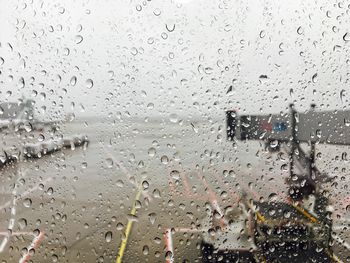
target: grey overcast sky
157 58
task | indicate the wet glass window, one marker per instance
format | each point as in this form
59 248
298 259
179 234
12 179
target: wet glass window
174 131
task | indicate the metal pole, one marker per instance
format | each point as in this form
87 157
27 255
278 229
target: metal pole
313 149
294 138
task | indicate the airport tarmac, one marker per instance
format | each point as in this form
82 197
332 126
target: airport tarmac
140 192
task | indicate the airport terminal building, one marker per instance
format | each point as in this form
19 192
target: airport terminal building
17 110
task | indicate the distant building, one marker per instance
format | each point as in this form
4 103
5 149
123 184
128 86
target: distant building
17 110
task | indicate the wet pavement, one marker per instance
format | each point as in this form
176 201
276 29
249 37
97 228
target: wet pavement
76 205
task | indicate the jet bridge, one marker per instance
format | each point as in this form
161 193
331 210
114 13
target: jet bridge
306 233
331 127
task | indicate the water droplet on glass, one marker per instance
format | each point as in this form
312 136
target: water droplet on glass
175 174
274 144
272 211
156 193
145 185
157 12
262 34
150 40
66 51
73 81
78 39
347 208
273 197
22 222
108 236
342 94
89 83
170 27
168 256
164 159
133 218
208 70
61 10
145 250
194 128
28 127
120 183
21 83
300 30
318 133
49 191
291 91
347 122
314 78
79 28
109 162
120 226
346 37
152 217
287 214
27 202
134 51
151 152
58 79
173 118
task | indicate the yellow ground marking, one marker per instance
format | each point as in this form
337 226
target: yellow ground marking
305 213
333 257
260 217
312 219
128 227
262 259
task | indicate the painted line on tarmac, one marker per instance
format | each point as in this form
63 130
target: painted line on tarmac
7 204
128 227
214 201
333 256
127 232
233 194
33 246
171 185
248 189
193 195
17 233
188 193
189 190
127 173
13 208
11 223
340 241
186 185
189 230
169 246
168 239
